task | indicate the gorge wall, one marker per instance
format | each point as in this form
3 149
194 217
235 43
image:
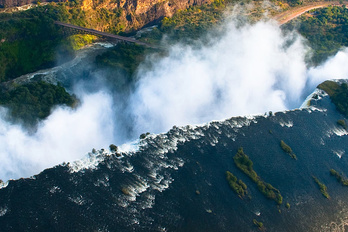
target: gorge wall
16 3
133 13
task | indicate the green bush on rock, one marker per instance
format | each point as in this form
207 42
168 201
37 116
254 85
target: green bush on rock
341 179
286 148
238 186
322 187
244 163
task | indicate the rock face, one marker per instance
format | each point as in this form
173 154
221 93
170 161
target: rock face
16 3
12 3
176 181
137 12
151 10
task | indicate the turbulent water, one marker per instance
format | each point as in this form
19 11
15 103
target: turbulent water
175 181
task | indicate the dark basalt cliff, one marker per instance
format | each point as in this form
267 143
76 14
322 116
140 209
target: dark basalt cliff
176 181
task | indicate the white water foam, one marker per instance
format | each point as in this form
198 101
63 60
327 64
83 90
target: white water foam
102 182
319 95
339 153
338 131
287 124
55 189
3 184
3 211
163 144
91 161
77 200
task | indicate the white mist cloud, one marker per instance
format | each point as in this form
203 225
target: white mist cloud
247 70
66 135
335 68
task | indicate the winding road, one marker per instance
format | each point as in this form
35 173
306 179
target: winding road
288 15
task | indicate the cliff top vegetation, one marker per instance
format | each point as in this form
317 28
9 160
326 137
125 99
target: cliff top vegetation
338 93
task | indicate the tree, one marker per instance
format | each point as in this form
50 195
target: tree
113 148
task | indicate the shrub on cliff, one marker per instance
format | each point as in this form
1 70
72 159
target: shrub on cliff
286 148
238 186
338 93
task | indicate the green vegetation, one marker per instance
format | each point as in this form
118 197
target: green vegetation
330 87
29 40
342 123
338 94
326 30
33 101
193 22
287 205
113 148
190 24
322 187
238 186
124 57
33 34
243 162
143 136
286 148
185 25
341 179
78 41
258 224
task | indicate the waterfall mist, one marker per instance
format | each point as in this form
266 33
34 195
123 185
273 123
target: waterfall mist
250 69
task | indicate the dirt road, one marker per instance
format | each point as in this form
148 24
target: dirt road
288 15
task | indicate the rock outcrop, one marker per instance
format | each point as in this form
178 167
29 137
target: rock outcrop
16 3
136 13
